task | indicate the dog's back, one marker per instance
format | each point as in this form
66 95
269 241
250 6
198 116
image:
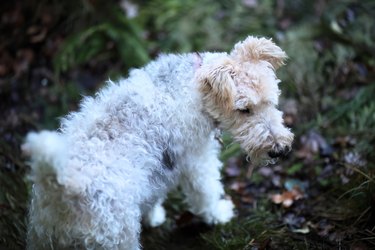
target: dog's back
109 151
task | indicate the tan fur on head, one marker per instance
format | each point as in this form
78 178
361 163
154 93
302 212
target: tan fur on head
253 48
217 83
240 91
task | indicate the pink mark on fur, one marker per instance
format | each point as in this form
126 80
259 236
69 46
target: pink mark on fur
197 60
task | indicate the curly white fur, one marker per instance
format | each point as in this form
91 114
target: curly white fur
114 160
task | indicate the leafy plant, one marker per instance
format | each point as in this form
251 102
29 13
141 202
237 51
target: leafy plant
116 37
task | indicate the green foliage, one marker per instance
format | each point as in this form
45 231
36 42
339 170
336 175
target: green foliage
330 72
183 26
330 54
349 22
294 168
260 230
65 96
358 117
327 53
230 148
116 37
238 235
13 200
193 25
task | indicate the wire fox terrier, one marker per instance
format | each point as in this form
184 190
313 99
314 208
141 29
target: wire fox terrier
113 162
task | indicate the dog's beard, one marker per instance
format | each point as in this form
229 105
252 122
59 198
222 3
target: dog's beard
260 159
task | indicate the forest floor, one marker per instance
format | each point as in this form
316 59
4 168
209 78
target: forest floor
320 196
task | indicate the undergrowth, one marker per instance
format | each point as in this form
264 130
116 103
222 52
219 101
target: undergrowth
330 74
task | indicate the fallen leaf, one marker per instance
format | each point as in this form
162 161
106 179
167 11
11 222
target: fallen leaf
247 199
345 141
304 230
39 37
287 197
323 227
354 158
36 33
313 143
238 186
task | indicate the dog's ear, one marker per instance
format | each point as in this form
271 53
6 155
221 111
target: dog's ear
253 48
216 83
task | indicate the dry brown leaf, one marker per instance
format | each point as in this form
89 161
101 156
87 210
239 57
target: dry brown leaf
238 186
247 199
287 197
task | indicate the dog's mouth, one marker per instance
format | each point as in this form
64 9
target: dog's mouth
278 151
268 155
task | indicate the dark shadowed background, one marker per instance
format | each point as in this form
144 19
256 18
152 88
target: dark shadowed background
319 197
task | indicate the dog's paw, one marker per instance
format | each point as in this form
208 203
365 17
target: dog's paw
221 213
156 216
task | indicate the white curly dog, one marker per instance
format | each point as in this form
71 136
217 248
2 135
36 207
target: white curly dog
113 162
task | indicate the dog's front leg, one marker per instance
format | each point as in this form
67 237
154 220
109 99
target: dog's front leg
200 181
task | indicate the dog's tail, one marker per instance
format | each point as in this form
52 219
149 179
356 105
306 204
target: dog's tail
48 157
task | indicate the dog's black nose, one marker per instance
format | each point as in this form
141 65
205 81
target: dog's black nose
279 152
274 154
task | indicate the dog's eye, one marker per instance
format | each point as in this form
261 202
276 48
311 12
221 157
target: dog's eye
245 111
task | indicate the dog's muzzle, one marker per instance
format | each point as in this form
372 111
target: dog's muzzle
278 152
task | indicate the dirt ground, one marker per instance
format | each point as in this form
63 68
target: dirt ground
318 197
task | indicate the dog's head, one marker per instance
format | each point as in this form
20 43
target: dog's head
240 91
